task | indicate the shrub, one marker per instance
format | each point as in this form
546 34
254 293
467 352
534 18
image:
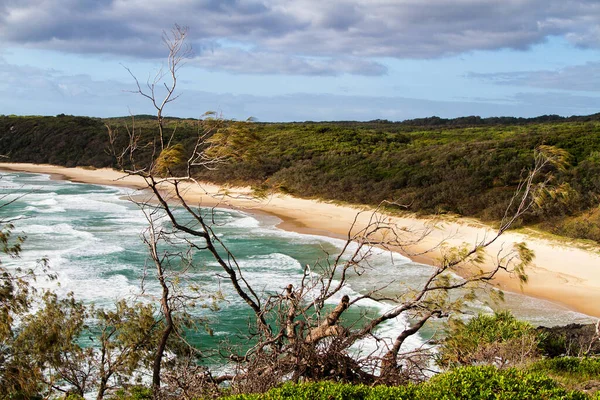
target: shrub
332 391
487 382
482 382
498 339
133 393
572 372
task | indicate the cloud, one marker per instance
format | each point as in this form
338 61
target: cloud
49 92
28 85
293 33
240 61
559 103
584 78
35 90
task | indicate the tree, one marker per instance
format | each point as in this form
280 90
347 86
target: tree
41 346
498 339
179 51
295 333
169 265
45 353
170 268
15 301
127 338
20 375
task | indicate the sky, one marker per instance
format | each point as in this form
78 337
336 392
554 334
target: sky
304 60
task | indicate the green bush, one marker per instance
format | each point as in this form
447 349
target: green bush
482 382
487 382
573 373
584 226
491 339
580 369
133 393
332 391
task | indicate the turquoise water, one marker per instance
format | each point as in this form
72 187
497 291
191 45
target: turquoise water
91 236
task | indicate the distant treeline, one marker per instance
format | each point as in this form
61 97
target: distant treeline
477 121
469 166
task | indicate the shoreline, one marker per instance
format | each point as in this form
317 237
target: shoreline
565 275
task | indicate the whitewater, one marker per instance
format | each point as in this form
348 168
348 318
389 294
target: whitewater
91 236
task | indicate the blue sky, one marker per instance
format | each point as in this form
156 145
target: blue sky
297 60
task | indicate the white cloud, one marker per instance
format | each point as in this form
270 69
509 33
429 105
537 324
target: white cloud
251 62
584 78
293 32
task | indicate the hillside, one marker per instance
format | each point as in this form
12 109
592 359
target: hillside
466 166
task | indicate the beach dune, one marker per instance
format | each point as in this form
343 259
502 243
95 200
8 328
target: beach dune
563 273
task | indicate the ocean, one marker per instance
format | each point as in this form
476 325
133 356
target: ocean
91 237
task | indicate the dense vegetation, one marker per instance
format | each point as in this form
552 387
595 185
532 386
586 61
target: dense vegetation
467 166
463 383
560 378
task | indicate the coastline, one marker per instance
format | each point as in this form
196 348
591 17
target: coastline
562 274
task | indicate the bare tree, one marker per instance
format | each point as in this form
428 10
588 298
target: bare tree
167 266
298 333
179 51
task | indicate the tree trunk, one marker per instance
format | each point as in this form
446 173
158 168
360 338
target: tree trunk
329 327
162 345
102 388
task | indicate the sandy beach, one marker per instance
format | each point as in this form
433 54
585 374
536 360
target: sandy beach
563 274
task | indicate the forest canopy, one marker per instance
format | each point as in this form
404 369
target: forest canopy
467 166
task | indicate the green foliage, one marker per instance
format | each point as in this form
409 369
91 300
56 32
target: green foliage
72 396
467 166
133 393
489 383
585 225
526 256
572 372
128 334
463 383
46 342
333 391
232 141
169 160
52 331
14 287
19 377
75 141
583 368
493 339
41 349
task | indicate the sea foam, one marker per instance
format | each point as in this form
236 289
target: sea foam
91 238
